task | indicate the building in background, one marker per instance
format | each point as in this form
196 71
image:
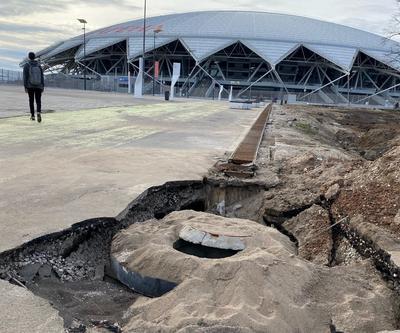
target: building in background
255 53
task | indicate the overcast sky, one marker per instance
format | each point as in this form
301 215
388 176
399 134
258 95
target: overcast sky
34 24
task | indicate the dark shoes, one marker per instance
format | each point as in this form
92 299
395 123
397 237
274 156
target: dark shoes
38 116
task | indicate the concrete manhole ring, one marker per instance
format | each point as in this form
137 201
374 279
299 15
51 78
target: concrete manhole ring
155 256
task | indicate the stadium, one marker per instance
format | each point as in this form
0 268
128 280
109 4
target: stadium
245 54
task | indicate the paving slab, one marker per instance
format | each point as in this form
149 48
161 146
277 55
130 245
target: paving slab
89 163
14 100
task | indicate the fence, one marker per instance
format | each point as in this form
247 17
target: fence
10 77
118 83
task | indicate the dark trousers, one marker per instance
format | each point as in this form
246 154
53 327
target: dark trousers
35 94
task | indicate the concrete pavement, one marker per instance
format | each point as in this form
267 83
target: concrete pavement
77 165
14 101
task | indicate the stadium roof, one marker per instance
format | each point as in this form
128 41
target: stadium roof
271 36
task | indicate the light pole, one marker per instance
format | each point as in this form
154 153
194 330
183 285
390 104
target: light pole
155 31
83 21
144 40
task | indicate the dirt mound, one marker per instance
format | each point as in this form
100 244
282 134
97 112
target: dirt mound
263 288
374 193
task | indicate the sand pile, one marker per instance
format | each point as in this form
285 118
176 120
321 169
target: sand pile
265 287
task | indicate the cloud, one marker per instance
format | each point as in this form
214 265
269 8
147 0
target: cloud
23 7
24 28
10 59
35 24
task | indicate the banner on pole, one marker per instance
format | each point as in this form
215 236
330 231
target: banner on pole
139 80
176 73
156 69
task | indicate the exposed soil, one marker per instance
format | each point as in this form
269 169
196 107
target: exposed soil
372 131
315 239
86 303
328 179
378 204
336 187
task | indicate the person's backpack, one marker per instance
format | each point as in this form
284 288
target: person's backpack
35 75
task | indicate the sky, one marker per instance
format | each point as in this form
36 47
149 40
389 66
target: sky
31 25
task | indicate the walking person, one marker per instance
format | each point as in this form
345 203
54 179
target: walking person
34 85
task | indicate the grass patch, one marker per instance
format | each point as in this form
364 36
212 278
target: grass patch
306 128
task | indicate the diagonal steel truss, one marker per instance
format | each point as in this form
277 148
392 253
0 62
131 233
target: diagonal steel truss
303 72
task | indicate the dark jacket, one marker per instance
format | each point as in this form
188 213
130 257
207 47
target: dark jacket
27 84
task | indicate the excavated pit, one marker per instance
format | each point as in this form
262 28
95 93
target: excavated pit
72 268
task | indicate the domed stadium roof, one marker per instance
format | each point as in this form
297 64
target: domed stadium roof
271 36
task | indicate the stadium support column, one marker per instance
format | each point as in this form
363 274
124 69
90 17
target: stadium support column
139 80
176 73
280 80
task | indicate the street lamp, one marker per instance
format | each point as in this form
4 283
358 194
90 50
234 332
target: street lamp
155 31
83 21
144 39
